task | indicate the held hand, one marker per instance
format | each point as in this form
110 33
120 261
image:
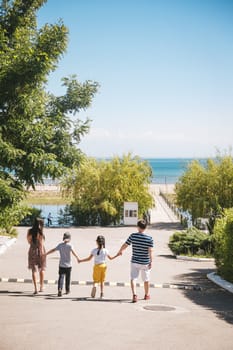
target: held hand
118 254
115 256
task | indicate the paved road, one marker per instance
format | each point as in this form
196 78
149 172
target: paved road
186 310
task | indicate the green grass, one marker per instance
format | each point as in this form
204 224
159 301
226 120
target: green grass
46 197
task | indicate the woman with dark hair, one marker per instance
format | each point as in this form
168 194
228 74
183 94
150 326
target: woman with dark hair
36 253
99 270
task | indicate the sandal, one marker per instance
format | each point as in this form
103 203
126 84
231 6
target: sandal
93 292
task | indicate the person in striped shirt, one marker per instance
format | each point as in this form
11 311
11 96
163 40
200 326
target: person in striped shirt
141 261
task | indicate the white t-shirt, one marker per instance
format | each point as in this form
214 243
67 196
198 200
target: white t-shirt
101 257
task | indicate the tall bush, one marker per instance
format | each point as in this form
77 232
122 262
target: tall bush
204 190
223 242
98 189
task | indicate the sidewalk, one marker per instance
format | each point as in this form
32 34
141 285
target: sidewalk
186 309
5 243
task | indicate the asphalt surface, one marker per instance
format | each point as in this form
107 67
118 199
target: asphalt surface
186 310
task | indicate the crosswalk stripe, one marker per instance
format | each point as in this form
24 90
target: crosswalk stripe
110 284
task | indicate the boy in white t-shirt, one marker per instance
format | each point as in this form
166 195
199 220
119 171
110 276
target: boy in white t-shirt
99 270
65 249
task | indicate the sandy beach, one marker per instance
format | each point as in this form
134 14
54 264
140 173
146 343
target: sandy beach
157 188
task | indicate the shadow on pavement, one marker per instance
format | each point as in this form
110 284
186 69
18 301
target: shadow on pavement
168 226
103 300
167 256
210 296
17 294
14 293
53 296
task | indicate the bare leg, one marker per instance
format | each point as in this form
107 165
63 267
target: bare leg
133 287
93 291
101 289
146 288
41 280
34 281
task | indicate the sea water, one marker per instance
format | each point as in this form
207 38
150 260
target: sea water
169 170
55 210
164 170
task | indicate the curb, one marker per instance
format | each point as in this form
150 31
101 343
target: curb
189 258
110 284
6 244
220 281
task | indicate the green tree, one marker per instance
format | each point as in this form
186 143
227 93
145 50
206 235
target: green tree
190 190
39 132
223 242
206 190
99 189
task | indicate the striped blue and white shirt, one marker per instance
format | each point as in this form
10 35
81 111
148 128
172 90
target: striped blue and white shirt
141 243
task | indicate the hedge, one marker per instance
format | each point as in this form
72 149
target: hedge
191 242
223 241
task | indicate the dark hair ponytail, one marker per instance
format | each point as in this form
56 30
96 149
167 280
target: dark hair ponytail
101 243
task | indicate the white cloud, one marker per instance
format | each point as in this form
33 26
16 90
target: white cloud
98 133
102 142
134 135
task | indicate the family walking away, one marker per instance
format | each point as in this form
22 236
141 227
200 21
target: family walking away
65 249
141 261
99 270
36 253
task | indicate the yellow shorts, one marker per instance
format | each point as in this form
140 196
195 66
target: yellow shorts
99 273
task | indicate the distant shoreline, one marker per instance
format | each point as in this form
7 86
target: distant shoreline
154 188
45 188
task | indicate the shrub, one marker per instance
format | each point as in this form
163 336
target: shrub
99 188
10 217
191 242
11 232
223 242
29 219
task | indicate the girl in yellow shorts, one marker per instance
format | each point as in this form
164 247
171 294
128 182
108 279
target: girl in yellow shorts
99 270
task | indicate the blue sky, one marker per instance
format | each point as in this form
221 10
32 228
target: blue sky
165 69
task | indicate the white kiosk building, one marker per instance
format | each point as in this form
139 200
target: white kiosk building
130 213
